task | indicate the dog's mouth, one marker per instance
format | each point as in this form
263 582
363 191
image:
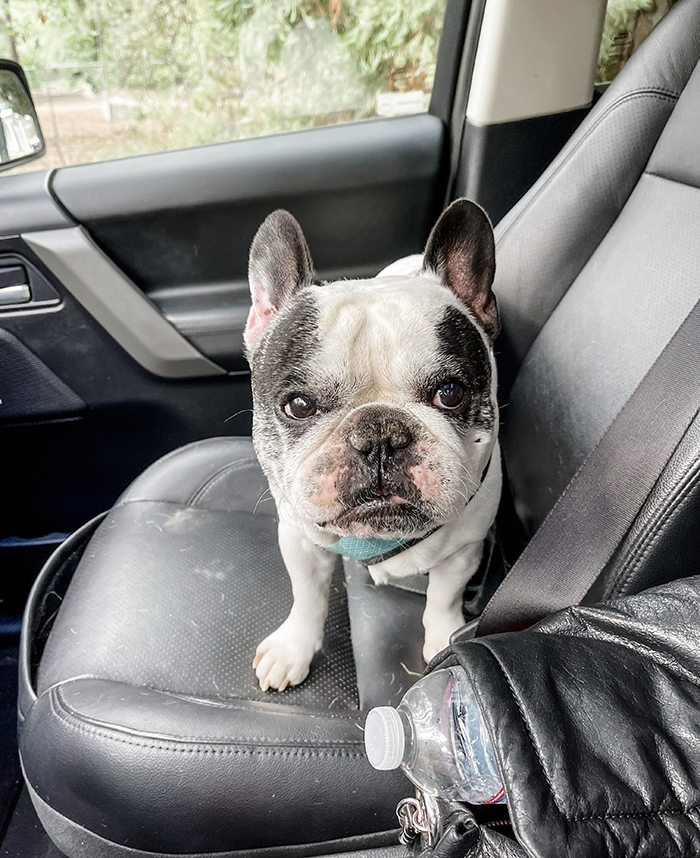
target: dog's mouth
390 515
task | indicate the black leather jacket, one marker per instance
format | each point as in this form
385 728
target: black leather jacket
595 717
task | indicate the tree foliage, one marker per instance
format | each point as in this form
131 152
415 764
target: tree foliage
627 24
183 72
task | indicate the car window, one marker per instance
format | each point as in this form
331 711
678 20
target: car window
627 24
113 78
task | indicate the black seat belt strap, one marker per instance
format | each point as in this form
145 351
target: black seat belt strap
579 536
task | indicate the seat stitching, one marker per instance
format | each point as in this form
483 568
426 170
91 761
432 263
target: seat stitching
656 527
661 94
635 814
177 451
70 711
172 455
231 467
655 175
196 697
79 726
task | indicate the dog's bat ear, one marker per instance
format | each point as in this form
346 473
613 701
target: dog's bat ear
461 251
279 264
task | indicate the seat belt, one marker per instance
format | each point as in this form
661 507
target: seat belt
587 524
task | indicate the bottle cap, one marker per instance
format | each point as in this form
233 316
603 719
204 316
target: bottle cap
384 738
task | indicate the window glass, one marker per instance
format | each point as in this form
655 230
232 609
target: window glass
627 24
122 77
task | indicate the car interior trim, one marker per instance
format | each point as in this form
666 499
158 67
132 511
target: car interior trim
122 309
29 387
26 204
527 64
336 158
492 174
458 116
457 22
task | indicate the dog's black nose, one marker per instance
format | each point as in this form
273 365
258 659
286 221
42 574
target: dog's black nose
389 433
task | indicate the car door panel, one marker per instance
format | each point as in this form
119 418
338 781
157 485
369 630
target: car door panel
26 204
179 224
117 305
62 465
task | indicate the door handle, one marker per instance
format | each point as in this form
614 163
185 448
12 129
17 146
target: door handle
18 294
14 285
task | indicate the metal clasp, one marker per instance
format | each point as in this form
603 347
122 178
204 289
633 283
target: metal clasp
420 816
412 819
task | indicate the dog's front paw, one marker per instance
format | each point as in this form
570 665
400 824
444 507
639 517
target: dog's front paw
434 643
283 659
379 576
439 626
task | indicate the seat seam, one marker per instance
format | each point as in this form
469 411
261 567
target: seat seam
656 527
655 175
230 467
168 456
69 710
660 94
202 698
80 725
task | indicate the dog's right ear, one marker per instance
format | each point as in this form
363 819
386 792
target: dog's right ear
279 264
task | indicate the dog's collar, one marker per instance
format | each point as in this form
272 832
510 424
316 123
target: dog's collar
370 550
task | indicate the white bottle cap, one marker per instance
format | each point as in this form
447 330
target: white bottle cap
384 738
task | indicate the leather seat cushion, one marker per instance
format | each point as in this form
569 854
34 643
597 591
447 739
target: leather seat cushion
149 727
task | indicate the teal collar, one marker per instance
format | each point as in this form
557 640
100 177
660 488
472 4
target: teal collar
371 549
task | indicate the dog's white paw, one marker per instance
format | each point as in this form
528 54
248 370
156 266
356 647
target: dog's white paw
379 576
439 626
434 643
283 659
438 633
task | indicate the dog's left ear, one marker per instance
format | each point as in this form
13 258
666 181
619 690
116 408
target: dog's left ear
462 252
279 264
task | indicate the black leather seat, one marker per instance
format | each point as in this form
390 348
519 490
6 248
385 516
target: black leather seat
142 729
147 724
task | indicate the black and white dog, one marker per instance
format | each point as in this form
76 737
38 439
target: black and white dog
375 421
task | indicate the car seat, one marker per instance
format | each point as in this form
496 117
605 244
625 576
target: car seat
142 730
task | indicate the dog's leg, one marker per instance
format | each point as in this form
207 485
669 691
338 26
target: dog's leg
284 657
443 601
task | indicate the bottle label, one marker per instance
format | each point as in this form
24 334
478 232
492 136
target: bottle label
499 798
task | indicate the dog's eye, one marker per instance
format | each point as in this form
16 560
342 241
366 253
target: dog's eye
449 395
301 407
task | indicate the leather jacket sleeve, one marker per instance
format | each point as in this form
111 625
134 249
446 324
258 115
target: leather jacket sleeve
595 717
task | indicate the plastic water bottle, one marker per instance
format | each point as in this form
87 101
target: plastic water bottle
438 736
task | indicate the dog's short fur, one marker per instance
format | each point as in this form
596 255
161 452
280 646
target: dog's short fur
375 414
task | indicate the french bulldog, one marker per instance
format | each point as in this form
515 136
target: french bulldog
375 421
